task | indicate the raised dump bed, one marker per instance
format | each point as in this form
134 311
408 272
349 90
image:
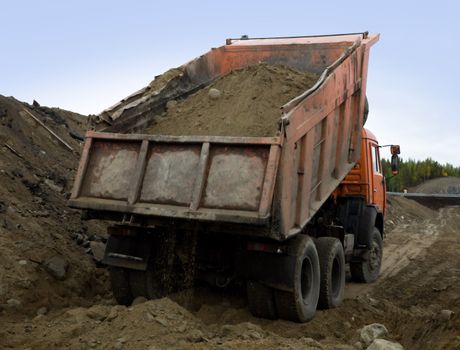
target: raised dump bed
269 186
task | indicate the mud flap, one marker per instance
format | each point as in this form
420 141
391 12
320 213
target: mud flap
131 252
366 227
273 270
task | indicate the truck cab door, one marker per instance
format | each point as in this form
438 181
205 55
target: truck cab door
378 180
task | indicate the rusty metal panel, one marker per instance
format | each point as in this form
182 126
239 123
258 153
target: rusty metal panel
109 169
170 174
228 179
329 120
235 178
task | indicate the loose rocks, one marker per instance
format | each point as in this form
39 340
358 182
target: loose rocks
371 332
57 267
214 94
382 344
139 300
98 250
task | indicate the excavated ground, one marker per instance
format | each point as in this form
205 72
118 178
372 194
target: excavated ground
245 102
420 276
37 229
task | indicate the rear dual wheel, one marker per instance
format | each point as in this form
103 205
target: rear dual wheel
318 280
332 267
299 305
261 300
119 279
128 284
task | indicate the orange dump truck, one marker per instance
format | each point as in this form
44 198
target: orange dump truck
281 215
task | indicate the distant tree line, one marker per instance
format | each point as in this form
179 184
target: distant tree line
414 172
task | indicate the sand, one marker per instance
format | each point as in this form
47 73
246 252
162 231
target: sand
245 102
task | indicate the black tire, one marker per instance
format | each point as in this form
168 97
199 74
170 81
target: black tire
261 300
138 283
157 283
119 278
332 268
300 304
150 283
369 270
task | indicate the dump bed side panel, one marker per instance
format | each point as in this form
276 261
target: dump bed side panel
228 179
322 142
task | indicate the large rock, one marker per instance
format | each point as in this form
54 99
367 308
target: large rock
139 300
98 250
371 332
445 315
13 303
382 344
57 267
214 94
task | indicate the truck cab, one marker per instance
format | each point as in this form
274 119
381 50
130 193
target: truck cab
361 201
366 179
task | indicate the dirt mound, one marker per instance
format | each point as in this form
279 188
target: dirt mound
245 102
40 264
444 185
401 210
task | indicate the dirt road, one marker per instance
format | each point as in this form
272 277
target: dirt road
420 277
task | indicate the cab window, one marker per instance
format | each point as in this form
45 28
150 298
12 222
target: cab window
376 160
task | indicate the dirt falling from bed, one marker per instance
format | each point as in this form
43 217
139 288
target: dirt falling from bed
245 102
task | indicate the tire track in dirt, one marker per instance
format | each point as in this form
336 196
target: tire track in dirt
401 246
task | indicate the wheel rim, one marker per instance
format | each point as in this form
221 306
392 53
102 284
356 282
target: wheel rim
306 283
374 256
336 274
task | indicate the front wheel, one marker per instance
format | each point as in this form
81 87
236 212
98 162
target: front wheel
369 270
300 304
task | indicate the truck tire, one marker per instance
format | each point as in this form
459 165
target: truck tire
138 283
300 304
156 284
369 270
149 283
119 279
332 268
261 300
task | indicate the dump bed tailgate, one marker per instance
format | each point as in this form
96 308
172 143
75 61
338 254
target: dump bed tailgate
226 179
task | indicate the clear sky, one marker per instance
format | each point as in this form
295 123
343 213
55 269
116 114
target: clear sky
87 55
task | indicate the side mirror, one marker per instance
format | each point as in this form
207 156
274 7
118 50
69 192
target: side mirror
395 164
395 150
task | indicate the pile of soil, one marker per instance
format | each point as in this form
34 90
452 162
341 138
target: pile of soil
444 185
418 304
245 102
41 266
401 210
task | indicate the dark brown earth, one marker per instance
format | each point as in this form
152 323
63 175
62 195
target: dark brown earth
407 299
420 273
36 174
248 105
